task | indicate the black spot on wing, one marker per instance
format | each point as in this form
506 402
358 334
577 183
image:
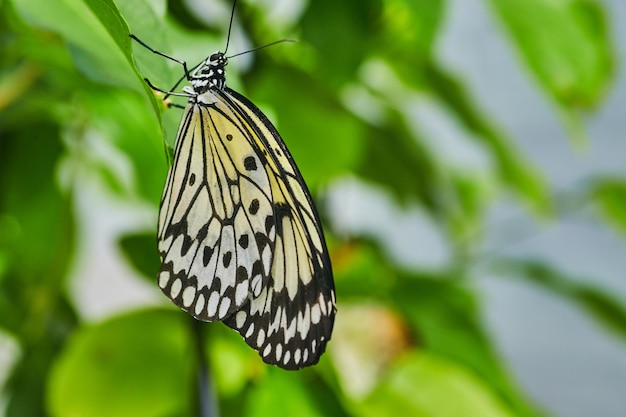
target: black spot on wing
269 223
187 242
254 206
242 274
261 240
227 258
206 255
202 233
249 163
257 268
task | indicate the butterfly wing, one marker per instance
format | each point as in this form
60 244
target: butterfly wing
291 320
239 237
215 218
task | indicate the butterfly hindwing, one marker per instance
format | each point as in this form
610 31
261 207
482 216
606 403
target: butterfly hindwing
290 322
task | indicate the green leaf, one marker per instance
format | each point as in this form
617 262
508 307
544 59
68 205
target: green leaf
94 37
281 393
343 44
144 23
445 390
126 122
360 271
39 144
444 314
109 16
141 252
410 30
611 196
566 45
132 365
233 364
395 159
44 326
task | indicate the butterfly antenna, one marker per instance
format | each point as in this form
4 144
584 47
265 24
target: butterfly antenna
261 47
230 25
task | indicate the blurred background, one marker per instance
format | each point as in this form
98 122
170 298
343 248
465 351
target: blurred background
466 157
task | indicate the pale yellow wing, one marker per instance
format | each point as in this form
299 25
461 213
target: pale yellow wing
214 237
239 237
291 321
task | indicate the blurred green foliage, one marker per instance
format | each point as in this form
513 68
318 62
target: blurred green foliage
71 82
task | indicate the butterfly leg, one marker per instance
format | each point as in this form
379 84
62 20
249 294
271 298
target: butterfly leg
154 51
160 90
152 86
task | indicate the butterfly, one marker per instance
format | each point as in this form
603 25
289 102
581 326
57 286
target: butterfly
239 237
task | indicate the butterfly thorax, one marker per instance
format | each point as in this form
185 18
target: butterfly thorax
209 75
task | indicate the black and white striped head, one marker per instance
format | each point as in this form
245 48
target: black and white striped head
211 74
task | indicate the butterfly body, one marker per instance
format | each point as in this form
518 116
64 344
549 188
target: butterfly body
239 237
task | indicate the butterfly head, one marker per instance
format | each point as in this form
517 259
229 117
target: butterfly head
210 74
217 59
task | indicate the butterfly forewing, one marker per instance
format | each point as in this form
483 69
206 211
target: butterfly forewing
214 241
